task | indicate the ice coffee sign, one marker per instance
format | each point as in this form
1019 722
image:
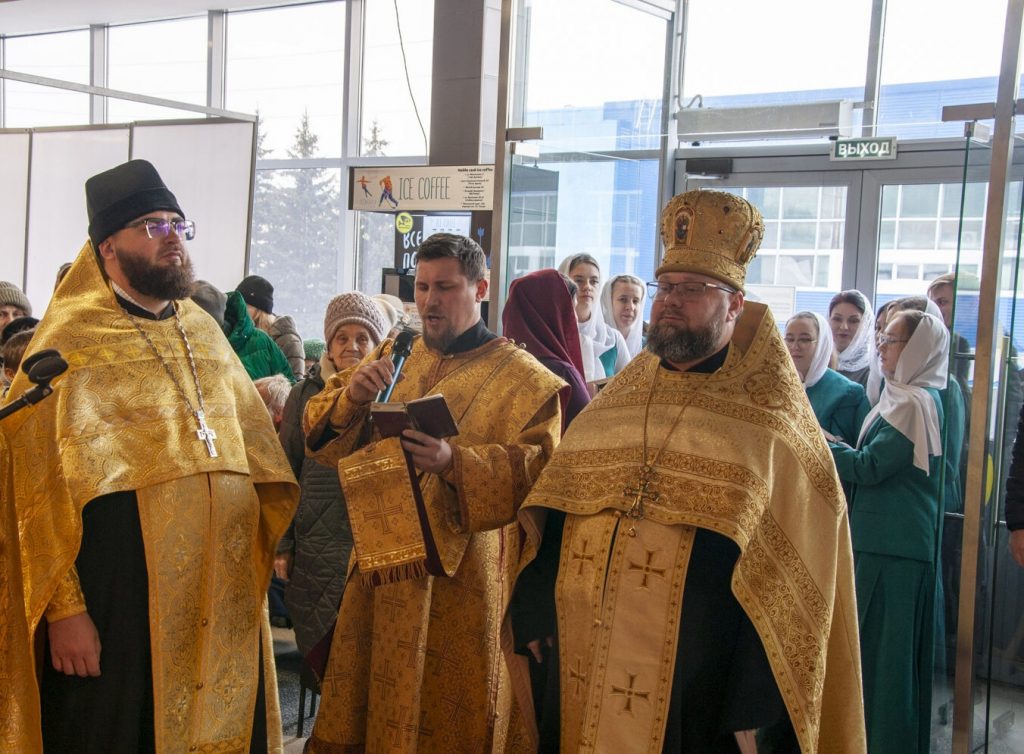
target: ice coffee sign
432 188
879 148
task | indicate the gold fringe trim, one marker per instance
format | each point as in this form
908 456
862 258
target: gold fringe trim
394 574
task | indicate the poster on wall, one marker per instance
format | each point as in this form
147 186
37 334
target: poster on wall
435 188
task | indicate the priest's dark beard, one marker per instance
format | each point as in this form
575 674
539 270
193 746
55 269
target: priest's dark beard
162 283
680 345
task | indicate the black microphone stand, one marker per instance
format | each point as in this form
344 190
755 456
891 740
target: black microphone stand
41 369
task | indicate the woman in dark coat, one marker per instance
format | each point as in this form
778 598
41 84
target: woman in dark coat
315 551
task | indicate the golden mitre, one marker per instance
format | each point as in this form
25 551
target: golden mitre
711 233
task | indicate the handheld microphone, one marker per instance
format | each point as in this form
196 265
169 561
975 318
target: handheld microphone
399 353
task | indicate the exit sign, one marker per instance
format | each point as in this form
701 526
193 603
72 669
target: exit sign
878 148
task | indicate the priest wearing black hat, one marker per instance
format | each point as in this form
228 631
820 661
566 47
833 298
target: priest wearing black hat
149 492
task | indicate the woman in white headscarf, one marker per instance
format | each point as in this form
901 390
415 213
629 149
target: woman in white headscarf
895 524
853 328
604 349
838 403
622 303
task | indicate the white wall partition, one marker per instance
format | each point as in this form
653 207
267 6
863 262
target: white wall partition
61 161
13 205
209 170
208 165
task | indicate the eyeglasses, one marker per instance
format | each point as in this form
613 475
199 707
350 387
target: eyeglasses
687 290
885 340
802 342
156 228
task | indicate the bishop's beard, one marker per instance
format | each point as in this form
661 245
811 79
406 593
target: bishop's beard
680 345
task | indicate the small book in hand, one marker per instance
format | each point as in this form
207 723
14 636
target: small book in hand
429 415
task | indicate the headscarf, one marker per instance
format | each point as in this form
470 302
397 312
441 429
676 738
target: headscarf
539 314
635 337
904 403
858 354
823 348
596 337
875 380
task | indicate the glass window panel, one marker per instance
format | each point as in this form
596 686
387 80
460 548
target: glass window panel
973 200
890 200
163 59
887 235
885 271
800 202
376 248
771 234
761 270
608 208
821 269
767 199
285 63
919 200
908 272
782 37
796 270
798 236
969 238
833 201
920 75
295 241
932 271
63 56
595 73
830 235
917 234
390 124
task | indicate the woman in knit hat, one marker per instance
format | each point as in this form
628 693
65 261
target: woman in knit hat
259 300
13 303
317 546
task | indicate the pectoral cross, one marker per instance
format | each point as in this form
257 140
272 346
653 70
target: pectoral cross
205 434
640 495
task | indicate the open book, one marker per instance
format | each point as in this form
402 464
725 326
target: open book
429 415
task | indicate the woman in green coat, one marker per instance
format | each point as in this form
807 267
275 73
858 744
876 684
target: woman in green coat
894 521
838 402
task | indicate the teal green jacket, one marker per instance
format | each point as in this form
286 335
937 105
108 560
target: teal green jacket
894 506
953 445
256 350
839 404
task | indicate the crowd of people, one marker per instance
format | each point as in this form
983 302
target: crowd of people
663 531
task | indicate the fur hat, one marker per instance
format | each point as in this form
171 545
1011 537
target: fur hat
258 292
12 295
210 299
119 195
355 308
711 233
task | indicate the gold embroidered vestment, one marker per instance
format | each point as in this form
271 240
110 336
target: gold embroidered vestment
748 461
415 664
210 526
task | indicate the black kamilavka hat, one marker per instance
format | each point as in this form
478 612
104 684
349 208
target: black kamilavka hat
119 195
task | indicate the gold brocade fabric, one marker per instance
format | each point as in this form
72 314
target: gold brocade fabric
115 422
389 540
415 664
748 461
